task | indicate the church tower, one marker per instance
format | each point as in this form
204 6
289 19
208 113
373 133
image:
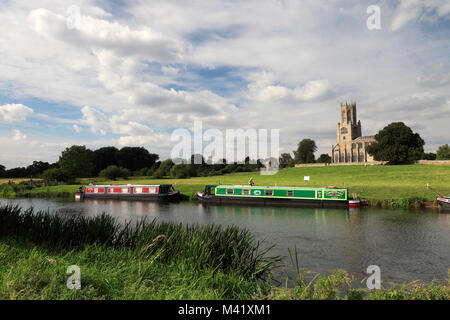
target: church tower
351 145
348 129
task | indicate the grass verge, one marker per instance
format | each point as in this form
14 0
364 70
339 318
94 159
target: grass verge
402 186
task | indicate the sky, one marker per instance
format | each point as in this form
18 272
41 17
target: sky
129 73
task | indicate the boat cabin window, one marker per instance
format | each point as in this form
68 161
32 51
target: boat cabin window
246 192
290 193
230 191
164 189
268 192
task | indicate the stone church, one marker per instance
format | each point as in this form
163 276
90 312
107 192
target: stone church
351 145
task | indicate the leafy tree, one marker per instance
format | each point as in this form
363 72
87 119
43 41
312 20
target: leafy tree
182 170
37 168
305 151
219 165
154 167
285 158
164 168
2 170
104 157
158 174
141 172
19 172
113 172
324 158
54 174
443 152
396 143
429 156
77 161
134 158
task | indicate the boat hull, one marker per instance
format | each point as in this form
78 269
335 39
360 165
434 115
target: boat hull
306 203
444 203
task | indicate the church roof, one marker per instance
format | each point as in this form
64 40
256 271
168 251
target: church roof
365 138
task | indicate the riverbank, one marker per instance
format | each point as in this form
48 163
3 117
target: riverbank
402 186
158 261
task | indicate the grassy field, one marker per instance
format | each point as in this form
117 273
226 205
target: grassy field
376 183
157 261
16 180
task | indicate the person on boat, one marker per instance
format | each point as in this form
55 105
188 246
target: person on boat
80 189
250 182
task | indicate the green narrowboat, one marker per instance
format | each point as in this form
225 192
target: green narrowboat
277 196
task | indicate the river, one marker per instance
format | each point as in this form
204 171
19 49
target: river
407 245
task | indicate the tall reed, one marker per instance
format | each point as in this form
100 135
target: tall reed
210 246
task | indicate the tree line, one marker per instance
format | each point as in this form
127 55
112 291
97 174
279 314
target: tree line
396 144
112 163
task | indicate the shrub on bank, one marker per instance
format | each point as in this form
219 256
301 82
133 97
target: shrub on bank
113 172
54 175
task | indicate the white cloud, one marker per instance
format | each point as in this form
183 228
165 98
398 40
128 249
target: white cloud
77 128
14 112
169 71
17 135
97 120
435 76
409 10
98 33
312 90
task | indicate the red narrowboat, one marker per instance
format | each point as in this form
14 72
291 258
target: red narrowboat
158 192
444 203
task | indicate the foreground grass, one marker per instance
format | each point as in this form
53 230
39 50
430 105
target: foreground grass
28 271
34 272
401 185
338 285
148 260
156 261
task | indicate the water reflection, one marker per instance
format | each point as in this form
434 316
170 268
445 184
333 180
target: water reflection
407 245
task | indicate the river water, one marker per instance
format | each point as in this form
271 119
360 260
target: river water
407 245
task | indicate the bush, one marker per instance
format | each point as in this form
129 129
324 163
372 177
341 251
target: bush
141 172
153 169
55 175
324 158
113 172
443 152
429 156
158 174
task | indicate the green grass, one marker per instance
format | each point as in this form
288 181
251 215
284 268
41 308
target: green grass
34 272
392 185
222 248
338 286
156 261
146 260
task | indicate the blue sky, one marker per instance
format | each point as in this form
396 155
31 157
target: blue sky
130 72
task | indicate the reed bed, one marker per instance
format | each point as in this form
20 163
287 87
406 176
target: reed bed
213 246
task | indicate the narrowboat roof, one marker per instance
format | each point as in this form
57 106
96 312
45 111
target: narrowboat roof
125 185
272 187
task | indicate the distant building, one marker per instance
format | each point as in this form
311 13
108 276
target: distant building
351 145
